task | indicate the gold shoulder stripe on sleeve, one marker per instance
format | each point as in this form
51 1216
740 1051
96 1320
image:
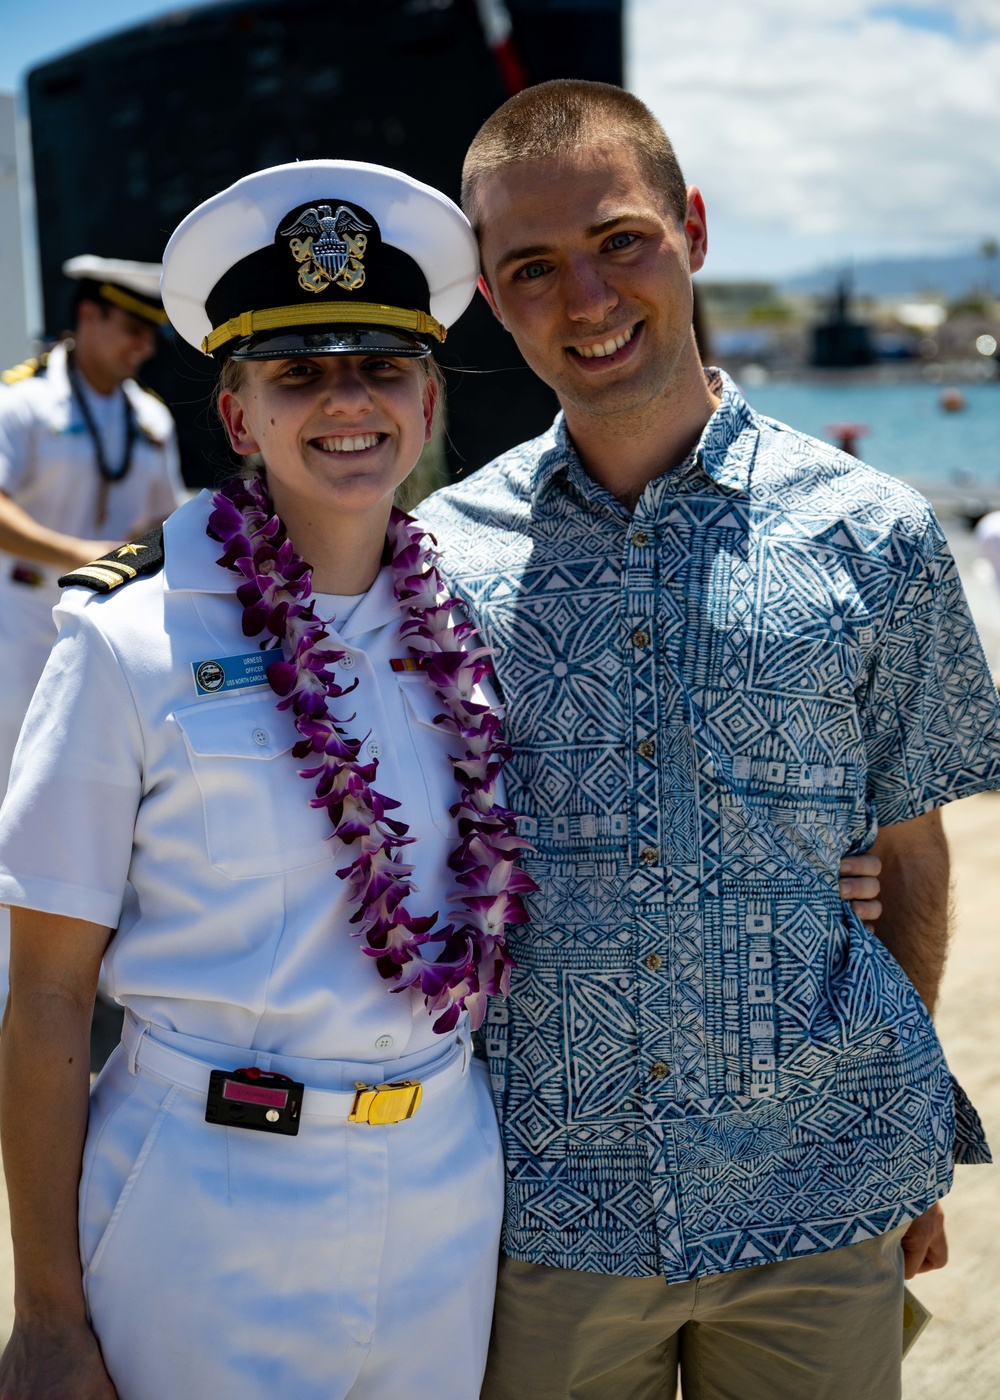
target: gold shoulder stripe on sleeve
99 573
26 370
145 556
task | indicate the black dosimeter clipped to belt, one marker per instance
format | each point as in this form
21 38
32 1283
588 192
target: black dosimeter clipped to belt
254 1098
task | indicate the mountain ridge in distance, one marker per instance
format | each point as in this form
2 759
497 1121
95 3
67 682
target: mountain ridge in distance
953 276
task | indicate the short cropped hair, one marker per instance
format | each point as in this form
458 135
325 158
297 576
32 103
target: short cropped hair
87 289
543 121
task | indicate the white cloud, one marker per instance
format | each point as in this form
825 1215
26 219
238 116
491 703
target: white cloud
834 123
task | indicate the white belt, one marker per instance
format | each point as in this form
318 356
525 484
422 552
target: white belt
373 1102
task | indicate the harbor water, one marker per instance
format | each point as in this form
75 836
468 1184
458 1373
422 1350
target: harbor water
953 458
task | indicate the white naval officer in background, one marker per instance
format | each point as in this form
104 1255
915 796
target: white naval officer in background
88 458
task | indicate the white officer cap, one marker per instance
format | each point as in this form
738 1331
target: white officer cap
321 257
134 286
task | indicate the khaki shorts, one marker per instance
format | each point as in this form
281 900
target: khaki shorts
825 1327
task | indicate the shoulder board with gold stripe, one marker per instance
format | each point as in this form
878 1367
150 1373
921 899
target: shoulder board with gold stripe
27 370
122 565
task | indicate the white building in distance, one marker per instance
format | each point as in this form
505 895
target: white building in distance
14 342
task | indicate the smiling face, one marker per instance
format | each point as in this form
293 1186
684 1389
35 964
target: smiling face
591 273
338 433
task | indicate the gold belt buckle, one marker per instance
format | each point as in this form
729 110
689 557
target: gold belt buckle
386 1103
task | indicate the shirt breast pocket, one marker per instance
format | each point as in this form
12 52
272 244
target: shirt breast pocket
432 746
257 817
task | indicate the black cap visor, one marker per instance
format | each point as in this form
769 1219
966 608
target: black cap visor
335 340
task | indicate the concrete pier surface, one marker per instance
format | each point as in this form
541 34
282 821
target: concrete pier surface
958 1354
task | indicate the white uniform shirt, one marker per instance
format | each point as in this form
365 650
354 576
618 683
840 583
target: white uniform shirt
49 468
181 819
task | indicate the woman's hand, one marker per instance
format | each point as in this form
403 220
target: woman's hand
45 1362
859 884
44 1083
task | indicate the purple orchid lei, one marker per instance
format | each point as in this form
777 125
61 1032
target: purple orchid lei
461 963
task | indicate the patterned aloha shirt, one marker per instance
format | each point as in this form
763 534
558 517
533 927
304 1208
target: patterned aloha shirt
706 1061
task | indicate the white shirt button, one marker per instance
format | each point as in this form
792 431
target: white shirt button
346 661
261 737
374 749
384 1042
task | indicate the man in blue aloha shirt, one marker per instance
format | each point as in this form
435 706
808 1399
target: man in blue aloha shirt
730 654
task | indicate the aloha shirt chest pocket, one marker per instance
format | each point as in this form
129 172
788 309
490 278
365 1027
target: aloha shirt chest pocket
257 818
433 744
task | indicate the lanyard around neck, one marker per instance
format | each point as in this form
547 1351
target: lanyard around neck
108 473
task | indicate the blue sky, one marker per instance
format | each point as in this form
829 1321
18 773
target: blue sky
35 30
939 19
818 130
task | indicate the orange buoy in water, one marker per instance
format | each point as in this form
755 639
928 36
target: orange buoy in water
846 435
952 400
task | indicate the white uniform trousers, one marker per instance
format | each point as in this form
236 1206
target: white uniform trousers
352 1261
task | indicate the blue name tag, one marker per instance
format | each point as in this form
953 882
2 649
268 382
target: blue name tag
224 673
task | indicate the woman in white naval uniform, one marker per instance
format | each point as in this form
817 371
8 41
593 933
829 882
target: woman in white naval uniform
156 793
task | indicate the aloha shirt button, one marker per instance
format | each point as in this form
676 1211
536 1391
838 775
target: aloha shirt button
640 637
646 748
640 538
659 1069
261 737
653 961
649 855
384 1042
374 749
347 661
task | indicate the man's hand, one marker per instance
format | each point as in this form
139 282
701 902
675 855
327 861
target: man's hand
925 1246
86 551
63 1363
859 883
22 536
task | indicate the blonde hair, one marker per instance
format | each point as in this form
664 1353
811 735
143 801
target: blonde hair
546 120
